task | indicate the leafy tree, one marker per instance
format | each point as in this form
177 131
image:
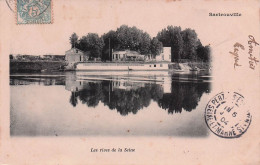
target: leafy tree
164 37
144 43
74 40
11 57
177 43
190 41
126 38
184 44
156 46
133 38
203 52
171 37
93 43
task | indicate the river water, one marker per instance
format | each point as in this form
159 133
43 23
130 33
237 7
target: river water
109 104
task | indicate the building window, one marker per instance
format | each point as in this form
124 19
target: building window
155 65
150 65
161 65
77 51
79 58
116 56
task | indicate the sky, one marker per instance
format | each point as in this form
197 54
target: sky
85 17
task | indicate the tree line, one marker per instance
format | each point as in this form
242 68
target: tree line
185 44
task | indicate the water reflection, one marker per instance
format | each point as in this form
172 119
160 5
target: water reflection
80 103
127 92
45 80
184 95
129 95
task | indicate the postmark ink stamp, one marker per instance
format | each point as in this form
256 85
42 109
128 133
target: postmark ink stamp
227 116
34 11
11 4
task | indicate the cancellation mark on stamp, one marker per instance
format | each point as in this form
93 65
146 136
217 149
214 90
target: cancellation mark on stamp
34 12
11 4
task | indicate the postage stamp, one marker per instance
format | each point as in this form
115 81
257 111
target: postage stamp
34 11
227 116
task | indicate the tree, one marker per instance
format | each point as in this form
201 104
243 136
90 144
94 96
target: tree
144 43
176 43
11 57
184 44
126 38
156 47
190 43
74 40
111 42
203 52
93 43
164 37
171 37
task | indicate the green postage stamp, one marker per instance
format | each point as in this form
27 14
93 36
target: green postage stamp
34 12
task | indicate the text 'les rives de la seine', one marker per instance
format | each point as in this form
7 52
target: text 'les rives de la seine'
252 59
112 150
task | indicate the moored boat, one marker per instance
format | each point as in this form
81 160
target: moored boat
122 66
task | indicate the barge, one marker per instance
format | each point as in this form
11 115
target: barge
123 66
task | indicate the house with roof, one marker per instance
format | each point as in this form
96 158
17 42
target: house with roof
165 55
127 55
75 55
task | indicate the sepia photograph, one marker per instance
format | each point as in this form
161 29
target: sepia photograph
124 82
129 82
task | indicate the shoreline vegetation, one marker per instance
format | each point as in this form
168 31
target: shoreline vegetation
36 66
186 48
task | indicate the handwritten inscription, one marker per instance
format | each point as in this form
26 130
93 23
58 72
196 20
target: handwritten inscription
238 50
252 60
235 53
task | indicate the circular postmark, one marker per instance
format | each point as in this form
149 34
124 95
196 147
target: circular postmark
11 4
227 116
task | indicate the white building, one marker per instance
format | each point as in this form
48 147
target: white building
75 55
127 55
165 55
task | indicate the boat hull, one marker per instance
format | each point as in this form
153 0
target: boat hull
122 66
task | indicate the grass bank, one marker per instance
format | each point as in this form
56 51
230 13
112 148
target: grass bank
35 66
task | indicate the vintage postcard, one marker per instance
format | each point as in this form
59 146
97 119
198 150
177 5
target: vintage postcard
130 82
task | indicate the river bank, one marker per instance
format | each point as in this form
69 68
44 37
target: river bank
36 66
56 66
